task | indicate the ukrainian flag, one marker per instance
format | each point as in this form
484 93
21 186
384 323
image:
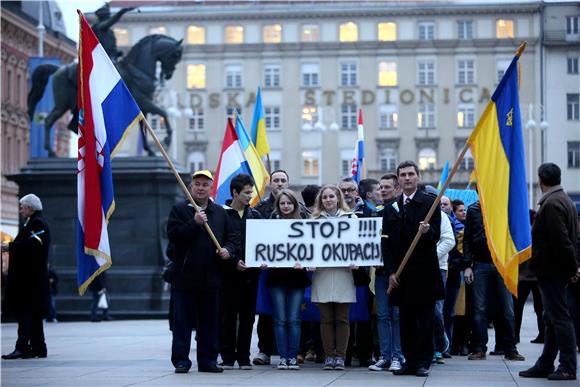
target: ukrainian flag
257 168
259 137
444 176
497 146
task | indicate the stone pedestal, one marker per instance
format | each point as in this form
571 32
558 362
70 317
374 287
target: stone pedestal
145 189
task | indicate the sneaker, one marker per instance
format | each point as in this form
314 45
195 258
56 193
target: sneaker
282 364
476 356
439 358
293 364
395 365
339 363
227 366
244 366
380 365
515 356
310 356
536 372
328 364
561 375
261 359
300 358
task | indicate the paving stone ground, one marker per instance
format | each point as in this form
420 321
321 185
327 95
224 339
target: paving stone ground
137 353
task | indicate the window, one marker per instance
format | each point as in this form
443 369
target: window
426 72
196 121
310 73
426 115
573 154
272 33
388 117
310 33
234 34
160 30
572 104
504 28
426 30
387 32
348 32
427 159
467 163
348 116
275 160
157 123
572 65
572 23
465 116
388 160
310 163
309 117
345 162
195 35
272 75
122 36
8 86
231 109
196 161
348 74
18 88
387 73
272 117
501 66
234 76
464 29
466 72
196 76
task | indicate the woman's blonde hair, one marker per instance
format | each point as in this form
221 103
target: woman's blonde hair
292 196
318 208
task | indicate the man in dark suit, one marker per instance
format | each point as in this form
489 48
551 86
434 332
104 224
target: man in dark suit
27 291
197 277
420 284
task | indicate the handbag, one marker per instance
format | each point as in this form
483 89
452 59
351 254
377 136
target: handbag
103 303
361 277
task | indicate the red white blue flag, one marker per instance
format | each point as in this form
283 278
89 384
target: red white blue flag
106 112
358 159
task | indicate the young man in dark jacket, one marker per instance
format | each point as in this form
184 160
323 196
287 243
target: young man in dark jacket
240 284
197 277
554 261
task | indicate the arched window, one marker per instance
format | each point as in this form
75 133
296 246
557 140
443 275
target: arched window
348 32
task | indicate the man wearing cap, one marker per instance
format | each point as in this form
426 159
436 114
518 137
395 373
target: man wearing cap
198 274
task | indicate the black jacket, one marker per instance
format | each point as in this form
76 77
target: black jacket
554 236
420 282
474 239
266 208
197 264
27 286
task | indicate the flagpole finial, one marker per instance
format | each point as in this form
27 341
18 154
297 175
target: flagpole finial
521 48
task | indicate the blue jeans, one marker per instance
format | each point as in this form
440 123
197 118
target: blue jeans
286 306
488 286
387 321
441 341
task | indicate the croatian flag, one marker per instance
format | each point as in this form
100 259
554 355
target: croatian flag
232 162
106 112
357 167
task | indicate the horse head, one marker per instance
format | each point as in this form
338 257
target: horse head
169 56
152 49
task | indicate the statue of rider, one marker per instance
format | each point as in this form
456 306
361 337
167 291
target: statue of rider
102 29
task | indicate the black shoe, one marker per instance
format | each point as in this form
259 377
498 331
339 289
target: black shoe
41 354
536 372
16 354
182 368
464 351
364 363
538 340
422 372
561 375
446 355
405 370
212 368
497 352
515 356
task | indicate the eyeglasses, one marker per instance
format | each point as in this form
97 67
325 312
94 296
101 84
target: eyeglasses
351 190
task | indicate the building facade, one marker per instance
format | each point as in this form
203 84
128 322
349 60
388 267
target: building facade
421 72
20 42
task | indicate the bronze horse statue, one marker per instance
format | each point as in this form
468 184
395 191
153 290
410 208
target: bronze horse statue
138 70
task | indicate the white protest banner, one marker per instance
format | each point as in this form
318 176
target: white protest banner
336 242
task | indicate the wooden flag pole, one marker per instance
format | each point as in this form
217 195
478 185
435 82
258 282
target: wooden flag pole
180 181
435 205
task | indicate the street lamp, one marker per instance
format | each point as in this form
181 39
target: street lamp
532 125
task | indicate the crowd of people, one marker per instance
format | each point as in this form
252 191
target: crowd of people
441 305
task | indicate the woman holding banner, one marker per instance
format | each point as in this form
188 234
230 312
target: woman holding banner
287 291
333 288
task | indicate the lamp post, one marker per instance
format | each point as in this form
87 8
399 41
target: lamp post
532 125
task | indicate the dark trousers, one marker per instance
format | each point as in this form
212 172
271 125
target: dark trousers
238 310
559 334
190 307
454 279
265 334
30 332
574 307
524 289
360 342
416 325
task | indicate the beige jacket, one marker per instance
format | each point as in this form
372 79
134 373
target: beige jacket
334 284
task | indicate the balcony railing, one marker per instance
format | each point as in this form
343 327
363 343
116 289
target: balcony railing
560 37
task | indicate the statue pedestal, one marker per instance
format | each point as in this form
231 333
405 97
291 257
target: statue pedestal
145 190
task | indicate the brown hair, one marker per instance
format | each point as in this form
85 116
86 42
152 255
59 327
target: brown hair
292 196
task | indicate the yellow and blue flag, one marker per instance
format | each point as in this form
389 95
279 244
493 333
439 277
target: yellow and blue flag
444 175
255 163
497 146
259 138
